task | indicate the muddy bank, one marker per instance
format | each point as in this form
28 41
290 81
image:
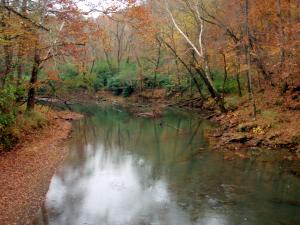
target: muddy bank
26 171
272 129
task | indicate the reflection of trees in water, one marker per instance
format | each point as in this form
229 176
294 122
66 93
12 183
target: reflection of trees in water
201 182
239 188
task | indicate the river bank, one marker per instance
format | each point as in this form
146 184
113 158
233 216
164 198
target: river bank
275 127
166 164
27 169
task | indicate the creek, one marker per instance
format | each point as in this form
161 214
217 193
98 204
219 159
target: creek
123 170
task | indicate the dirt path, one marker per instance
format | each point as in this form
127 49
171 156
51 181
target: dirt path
26 171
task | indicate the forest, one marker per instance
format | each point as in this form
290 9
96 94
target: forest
210 51
235 63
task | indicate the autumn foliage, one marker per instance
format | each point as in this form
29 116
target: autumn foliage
208 50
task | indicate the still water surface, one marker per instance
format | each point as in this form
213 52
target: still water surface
132 171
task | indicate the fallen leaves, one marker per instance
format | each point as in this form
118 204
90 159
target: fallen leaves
26 171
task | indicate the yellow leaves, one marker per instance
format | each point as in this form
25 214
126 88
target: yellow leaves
258 130
244 68
4 42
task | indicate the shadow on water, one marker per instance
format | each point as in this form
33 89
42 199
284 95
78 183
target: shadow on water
132 171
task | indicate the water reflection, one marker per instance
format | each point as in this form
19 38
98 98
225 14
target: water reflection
128 171
114 189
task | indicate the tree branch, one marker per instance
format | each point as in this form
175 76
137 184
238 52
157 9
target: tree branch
10 9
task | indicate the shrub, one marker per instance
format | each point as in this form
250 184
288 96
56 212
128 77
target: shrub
160 82
230 85
7 106
103 74
7 114
68 71
34 119
121 87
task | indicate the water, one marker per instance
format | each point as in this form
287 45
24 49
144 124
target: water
132 171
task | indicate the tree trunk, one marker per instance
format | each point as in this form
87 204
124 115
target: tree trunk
33 81
281 35
248 58
140 73
207 81
213 92
225 74
157 62
186 67
237 76
7 47
20 66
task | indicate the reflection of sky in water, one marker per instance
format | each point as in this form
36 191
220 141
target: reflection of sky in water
114 189
128 171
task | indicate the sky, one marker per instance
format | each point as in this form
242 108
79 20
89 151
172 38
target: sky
87 5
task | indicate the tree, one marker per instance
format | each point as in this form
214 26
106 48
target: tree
201 67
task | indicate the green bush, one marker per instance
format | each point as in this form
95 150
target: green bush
125 81
120 82
103 74
121 87
7 105
128 71
230 85
34 119
68 71
8 113
160 82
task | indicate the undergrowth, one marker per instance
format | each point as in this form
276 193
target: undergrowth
20 124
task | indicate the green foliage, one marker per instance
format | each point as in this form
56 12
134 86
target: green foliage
230 85
7 114
127 71
16 125
68 72
7 96
33 119
102 74
12 121
161 81
124 82
121 87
